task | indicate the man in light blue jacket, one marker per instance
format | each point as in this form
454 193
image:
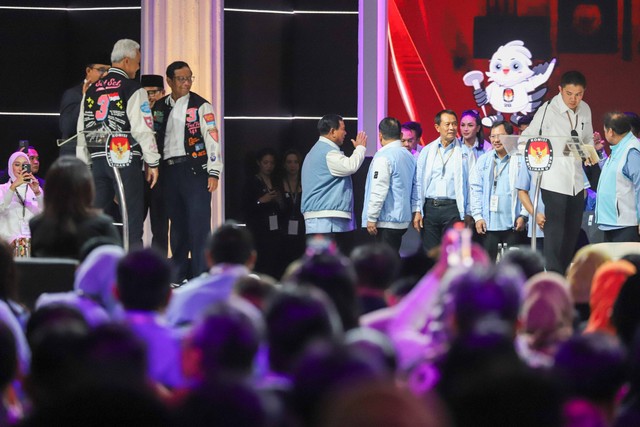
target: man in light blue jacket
494 197
327 190
386 212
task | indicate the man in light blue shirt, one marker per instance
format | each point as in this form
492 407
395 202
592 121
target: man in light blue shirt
494 197
386 212
618 196
230 256
441 196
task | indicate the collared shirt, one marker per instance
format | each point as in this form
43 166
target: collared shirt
174 136
566 175
442 174
500 220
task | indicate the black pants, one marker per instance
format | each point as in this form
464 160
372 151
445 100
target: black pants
626 234
391 236
188 205
563 221
508 237
154 204
438 215
133 183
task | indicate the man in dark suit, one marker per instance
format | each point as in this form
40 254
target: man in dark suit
70 104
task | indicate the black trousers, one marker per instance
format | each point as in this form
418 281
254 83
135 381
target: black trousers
188 206
391 236
626 234
154 204
133 183
509 237
561 229
438 215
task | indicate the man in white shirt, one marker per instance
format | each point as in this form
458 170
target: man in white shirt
327 190
566 115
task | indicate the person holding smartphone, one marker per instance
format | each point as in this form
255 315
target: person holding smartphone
20 199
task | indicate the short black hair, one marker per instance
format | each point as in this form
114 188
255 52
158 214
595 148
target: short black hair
143 280
389 127
376 265
438 117
508 127
231 243
176 65
328 122
414 126
573 78
618 122
634 121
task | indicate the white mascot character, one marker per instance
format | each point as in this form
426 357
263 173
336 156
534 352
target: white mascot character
512 83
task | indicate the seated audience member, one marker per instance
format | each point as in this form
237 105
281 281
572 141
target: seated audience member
377 266
580 276
11 410
115 356
375 345
11 313
382 404
605 288
592 367
58 338
68 219
529 261
405 322
295 318
123 405
485 384
228 404
20 199
546 318
629 411
93 286
230 256
625 316
223 344
334 274
324 371
256 291
144 288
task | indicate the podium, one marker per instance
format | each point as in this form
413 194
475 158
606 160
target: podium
539 152
104 138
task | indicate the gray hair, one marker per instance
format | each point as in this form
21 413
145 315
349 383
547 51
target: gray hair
124 48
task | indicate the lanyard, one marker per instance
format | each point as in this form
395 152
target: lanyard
293 191
23 200
444 162
573 128
496 176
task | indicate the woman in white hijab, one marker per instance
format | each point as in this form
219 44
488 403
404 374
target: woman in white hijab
20 199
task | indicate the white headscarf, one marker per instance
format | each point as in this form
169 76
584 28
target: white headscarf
96 276
12 159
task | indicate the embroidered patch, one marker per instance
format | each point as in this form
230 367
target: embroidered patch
375 175
210 119
192 115
119 151
145 107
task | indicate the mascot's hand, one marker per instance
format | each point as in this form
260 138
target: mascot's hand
480 96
